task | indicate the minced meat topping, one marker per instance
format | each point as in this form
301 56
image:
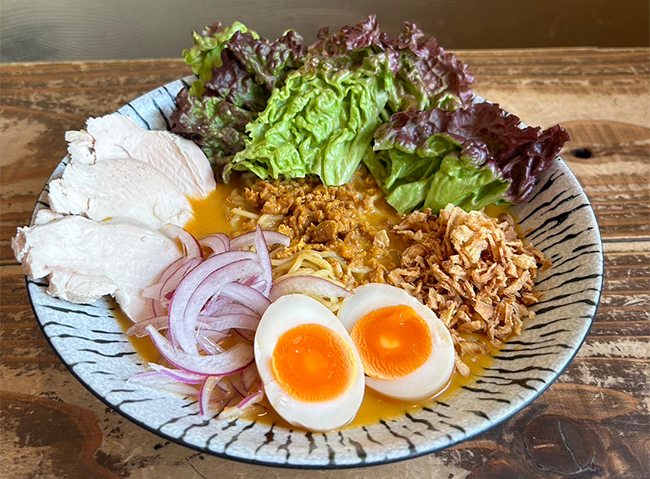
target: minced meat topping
333 218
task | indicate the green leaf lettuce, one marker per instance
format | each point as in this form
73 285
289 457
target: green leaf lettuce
248 70
206 52
471 157
321 122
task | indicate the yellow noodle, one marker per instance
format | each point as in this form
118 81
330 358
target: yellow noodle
269 221
247 214
361 270
240 202
306 262
313 257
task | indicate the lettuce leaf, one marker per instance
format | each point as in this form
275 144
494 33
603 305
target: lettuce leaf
233 83
212 122
471 157
269 62
278 109
249 68
321 122
350 39
206 52
425 75
439 172
460 182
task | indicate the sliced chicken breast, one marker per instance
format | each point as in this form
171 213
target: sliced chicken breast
84 260
120 188
45 216
116 136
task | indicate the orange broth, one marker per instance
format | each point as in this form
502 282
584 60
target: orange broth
143 346
211 216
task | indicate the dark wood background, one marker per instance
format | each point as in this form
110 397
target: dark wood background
46 30
594 422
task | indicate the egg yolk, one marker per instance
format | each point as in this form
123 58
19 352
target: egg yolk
392 342
313 363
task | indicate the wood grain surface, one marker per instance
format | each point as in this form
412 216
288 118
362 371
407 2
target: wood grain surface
593 422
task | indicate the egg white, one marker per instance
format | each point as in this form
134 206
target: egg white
429 378
284 314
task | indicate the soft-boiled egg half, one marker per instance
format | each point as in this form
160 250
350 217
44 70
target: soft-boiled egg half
312 374
406 351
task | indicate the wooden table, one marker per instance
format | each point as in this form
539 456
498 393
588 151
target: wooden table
594 421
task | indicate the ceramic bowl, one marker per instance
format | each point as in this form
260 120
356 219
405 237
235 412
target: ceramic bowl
558 219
